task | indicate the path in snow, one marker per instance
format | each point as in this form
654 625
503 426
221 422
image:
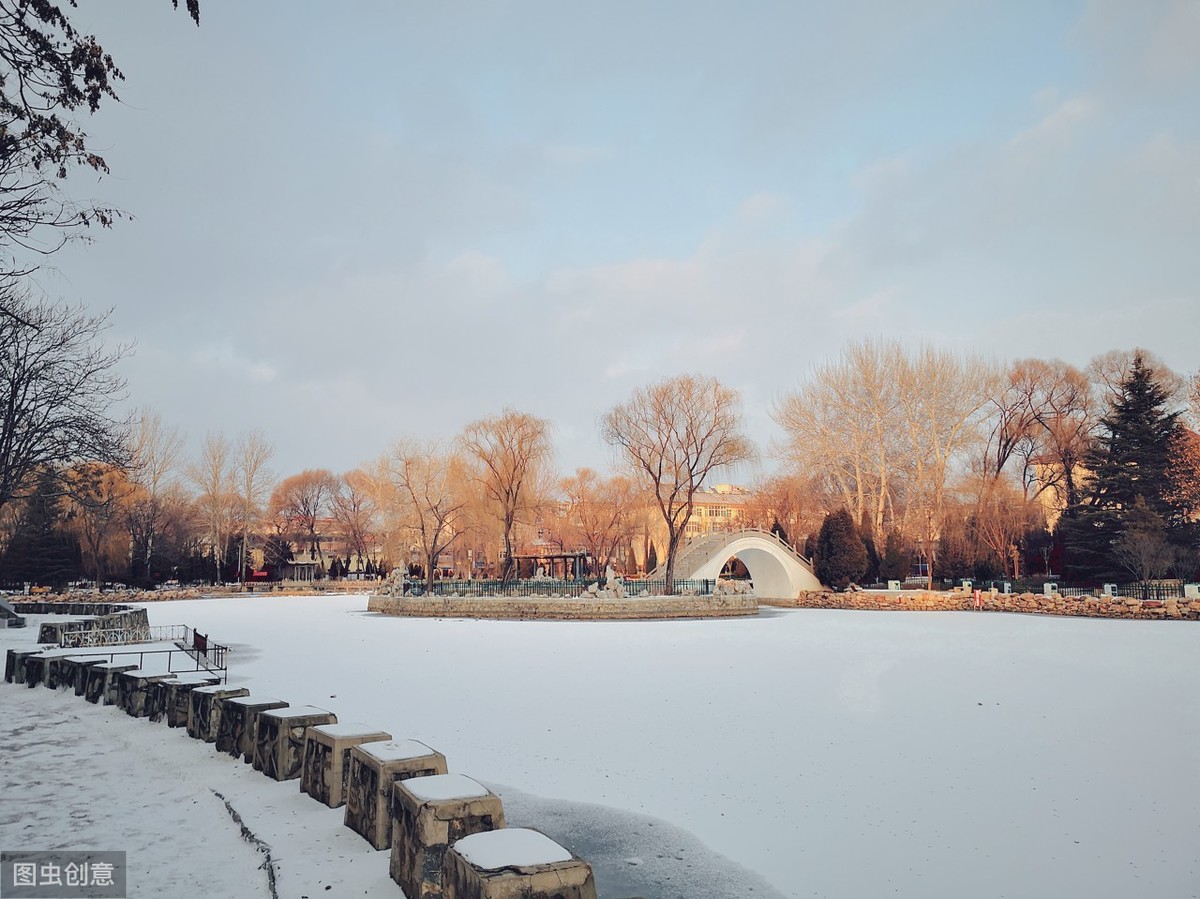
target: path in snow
83 776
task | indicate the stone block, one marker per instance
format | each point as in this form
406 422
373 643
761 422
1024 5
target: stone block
14 664
239 722
133 690
171 699
204 709
79 667
429 815
374 767
35 667
327 747
516 863
100 677
280 739
60 671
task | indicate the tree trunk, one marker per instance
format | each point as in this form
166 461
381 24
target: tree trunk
672 550
242 558
507 571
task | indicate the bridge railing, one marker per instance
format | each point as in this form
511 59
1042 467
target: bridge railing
704 544
787 546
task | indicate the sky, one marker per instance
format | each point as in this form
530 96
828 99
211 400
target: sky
362 221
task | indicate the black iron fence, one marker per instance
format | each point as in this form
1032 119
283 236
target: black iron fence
550 588
202 653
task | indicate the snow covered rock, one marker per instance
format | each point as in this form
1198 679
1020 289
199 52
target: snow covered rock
428 815
280 741
327 759
374 768
515 862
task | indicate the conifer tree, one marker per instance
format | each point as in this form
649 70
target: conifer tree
1129 462
841 555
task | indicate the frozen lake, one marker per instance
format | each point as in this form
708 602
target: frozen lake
832 753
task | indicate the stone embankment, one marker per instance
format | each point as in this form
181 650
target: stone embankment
291 588
583 608
1031 603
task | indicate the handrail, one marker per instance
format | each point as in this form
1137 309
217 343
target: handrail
111 636
208 656
715 540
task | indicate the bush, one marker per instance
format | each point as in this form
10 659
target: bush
841 555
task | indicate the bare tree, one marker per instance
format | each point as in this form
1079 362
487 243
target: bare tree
674 434
49 72
354 510
216 499
96 497
841 427
1144 549
254 480
1059 414
1183 472
57 384
1110 370
427 482
154 450
303 500
942 405
885 430
508 458
791 503
599 515
1002 515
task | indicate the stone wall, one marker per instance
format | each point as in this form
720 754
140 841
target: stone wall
1032 603
66 606
583 608
133 622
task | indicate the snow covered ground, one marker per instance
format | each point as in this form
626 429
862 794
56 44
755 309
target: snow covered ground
801 753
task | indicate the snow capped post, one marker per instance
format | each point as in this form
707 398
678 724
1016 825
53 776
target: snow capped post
327 759
515 862
374 767
428 815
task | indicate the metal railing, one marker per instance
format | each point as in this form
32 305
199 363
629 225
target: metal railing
204 654
656 586
705 545
547 587
198 662
113 636
1150 591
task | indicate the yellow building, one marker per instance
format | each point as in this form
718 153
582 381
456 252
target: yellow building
718 508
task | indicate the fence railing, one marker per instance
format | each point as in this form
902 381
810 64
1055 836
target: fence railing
112 636
1151 591
190 643
548 588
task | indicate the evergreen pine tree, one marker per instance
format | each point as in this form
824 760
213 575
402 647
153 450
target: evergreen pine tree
42 551
1129 462
896 563
841 556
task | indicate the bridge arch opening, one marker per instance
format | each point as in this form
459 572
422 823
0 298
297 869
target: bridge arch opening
767 573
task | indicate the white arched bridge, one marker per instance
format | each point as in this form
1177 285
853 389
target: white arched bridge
778 571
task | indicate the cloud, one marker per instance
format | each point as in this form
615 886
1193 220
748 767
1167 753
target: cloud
1061 123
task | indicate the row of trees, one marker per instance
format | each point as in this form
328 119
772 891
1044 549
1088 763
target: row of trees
967 468
134 509
987 469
